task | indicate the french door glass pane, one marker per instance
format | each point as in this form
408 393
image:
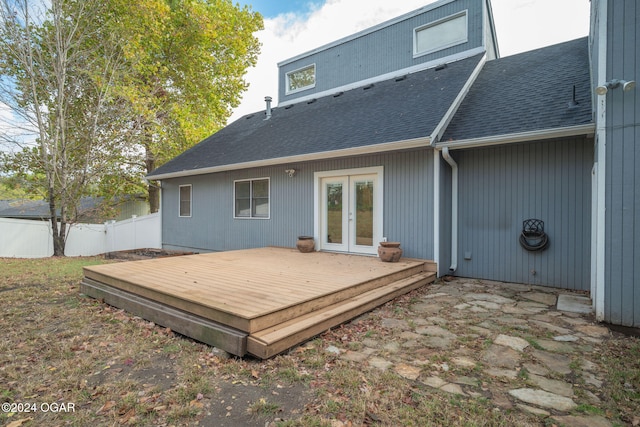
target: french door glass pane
334 213
364 213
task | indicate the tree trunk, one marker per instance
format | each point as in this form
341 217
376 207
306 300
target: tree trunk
58 238
153 190
154 197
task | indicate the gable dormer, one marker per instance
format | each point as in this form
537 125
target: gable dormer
442 32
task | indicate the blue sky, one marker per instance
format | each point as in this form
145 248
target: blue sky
273 8
293 27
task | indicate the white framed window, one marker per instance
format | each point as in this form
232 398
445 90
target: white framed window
301 79
440 34
185 201
251 198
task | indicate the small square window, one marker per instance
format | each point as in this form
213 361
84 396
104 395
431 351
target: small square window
185 200
301 79
251 198
441 34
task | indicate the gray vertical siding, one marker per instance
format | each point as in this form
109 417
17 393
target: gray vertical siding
408 205
502 186
622 221
383 51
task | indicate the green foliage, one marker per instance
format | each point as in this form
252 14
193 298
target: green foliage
185 63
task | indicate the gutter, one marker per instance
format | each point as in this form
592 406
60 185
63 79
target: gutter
368 149
454 208
536 135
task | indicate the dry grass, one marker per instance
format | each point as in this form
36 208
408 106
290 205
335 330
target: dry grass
117 369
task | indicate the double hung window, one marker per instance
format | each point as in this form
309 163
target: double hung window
185 200
251 198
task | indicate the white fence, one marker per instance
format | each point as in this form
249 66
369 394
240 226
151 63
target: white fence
32 239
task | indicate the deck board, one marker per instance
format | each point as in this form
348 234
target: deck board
252 290
249 284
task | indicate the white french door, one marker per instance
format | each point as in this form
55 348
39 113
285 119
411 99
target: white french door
350 208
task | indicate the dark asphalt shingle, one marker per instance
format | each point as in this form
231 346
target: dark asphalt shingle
527 92
389 111
521 93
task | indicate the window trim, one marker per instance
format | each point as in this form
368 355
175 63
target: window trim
465 39
180 215
300 89
251 180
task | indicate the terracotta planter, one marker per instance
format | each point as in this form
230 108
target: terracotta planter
389 251
305 244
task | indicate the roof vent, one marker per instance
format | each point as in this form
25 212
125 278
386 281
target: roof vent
401 78
288 107
311 101
249 116
335 95
441 67
369 86
573 103
268 100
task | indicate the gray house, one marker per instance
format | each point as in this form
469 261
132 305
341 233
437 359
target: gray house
417 131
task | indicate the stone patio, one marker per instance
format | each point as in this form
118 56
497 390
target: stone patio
506 342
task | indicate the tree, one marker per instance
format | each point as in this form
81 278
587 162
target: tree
185 61
111 89
57 65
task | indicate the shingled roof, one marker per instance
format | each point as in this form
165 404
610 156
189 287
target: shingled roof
528 92
399 109
521 94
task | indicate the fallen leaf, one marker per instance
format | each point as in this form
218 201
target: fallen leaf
195 404
127 416
107 406
18 423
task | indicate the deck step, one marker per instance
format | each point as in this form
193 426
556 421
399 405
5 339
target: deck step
276 339
313 305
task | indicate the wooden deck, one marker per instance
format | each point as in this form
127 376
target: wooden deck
258 301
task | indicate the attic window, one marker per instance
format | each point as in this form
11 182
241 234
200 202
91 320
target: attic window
440 34
301 79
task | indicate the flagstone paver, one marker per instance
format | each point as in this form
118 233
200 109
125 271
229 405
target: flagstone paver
554 386
541 297
515 343
507 343
544 399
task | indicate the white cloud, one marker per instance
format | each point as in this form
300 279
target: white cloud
521 25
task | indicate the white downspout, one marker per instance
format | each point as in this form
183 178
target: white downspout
454 208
